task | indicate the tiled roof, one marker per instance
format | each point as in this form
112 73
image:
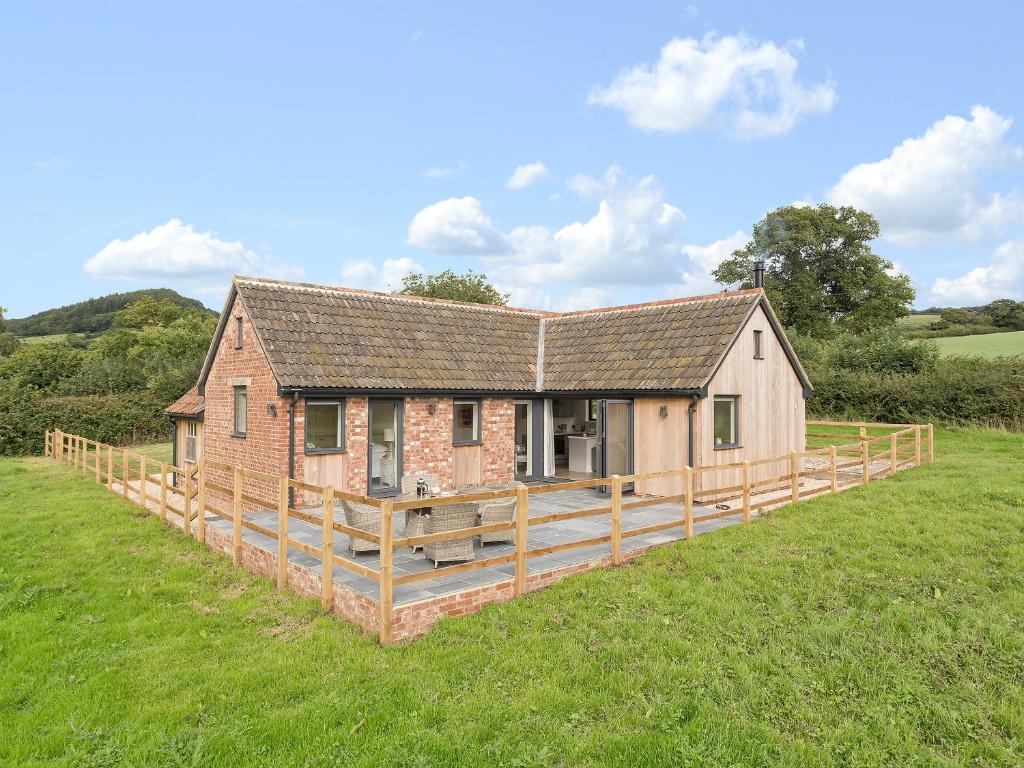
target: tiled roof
317 336
336 338
189 404
660 346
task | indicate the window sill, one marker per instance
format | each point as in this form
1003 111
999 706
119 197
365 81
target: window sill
759 357
324 451
460 443
240 435
729 447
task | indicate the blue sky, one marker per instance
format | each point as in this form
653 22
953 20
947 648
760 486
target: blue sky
174 144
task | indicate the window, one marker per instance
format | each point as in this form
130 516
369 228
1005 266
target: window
758 348
238 333
385 431
592 409
466 429
727 433
325 426
190 441
241 406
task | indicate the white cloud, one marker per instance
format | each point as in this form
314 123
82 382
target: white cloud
733 82
457 225
386 277
704 259
1003 278
446 172
175 253
929 186
588 186
525 175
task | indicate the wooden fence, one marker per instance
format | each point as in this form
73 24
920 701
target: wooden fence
873 451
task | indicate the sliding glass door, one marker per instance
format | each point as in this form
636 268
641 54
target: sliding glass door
615 431
385 459
524 438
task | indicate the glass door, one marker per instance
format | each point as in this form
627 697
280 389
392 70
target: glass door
615 444
524 438
385 459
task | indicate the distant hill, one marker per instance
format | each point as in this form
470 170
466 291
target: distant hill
91 316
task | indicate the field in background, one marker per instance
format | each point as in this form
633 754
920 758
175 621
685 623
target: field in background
51 339
983 345
877 626
917 321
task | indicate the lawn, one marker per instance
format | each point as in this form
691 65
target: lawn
984 345
882 626
917 321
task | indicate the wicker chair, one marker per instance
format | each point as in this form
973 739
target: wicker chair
451 517
497 511
416 519
365 518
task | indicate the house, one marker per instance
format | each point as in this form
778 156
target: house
355 389
186 415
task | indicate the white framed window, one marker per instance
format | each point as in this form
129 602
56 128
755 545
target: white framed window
190 440
325 426
241 410
466 422
727 421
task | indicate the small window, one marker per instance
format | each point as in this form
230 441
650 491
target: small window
190 441
325 426
466 430
238 333
592 409
241 407
727 433
758 348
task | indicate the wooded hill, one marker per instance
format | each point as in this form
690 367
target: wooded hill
92 315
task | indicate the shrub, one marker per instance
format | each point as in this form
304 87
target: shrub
115 419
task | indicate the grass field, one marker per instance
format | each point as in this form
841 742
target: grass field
984 345
51 339
917 321
882 626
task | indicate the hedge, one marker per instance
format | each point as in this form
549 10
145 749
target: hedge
959 391
126 419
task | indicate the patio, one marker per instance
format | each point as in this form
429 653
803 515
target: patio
547 534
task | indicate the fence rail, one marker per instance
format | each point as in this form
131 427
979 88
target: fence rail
900 446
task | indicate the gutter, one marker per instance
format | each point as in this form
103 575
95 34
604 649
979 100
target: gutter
291 445
690 410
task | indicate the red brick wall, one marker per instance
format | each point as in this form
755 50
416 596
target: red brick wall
499 440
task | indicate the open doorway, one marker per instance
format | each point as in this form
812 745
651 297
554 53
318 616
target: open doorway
575 438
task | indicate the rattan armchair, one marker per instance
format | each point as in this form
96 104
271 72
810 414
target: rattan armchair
451 517
365 518
416 519
497 511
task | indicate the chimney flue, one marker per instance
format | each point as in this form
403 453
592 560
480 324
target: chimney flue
759 274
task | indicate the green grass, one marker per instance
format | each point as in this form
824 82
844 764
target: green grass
917 321
157 451
882 626
51 339
984 345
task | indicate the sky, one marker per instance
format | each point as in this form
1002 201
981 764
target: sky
579 154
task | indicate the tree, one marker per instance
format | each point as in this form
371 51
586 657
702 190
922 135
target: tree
470 286
1006 313
8 341
960 316
820 272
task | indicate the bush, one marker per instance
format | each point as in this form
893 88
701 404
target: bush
114 419
959 391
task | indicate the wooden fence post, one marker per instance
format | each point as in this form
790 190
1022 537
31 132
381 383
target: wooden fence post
616 519
387 551
688 503
282 533
98 462
201 498
833 471
863 431
746 491
522 528
110 468
892 454
327 596
236 549
124 473
931 443
865 472
163 493
85 455
142 481
917 445
186 509
58 444
46 445
794 476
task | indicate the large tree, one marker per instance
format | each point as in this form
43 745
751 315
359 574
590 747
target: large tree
470 286
820 272
8 342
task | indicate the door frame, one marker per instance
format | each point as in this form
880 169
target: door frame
602 437
537 446
399 446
